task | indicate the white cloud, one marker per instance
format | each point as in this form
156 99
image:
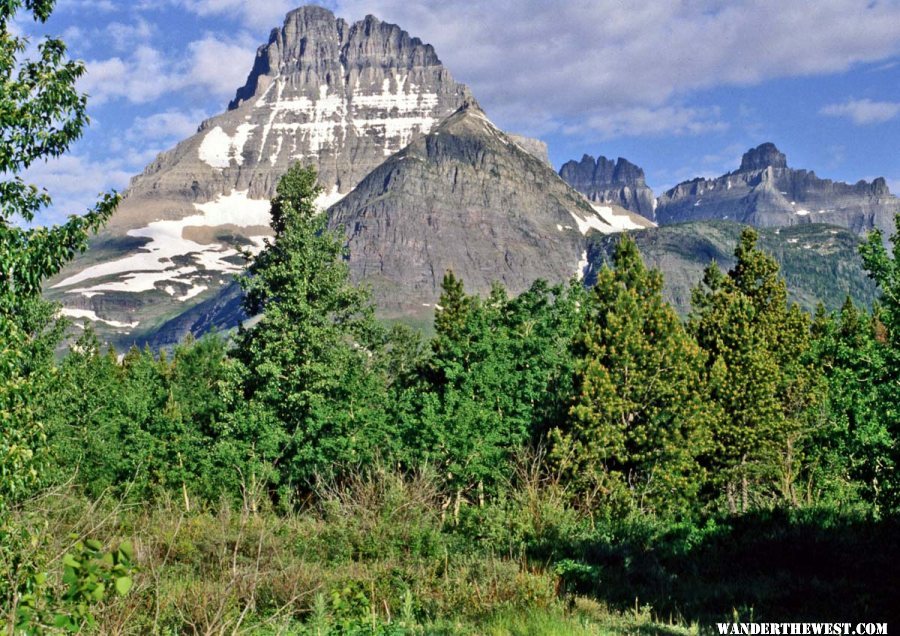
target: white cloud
74 182
863 111
214 65
104 6
124 36
220 66
643 121
564 59
171 125
142 77
253 13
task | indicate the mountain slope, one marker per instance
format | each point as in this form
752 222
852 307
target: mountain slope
466 197
765 192
342 97
820 263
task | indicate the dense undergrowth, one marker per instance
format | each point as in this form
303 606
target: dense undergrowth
379 555
375 556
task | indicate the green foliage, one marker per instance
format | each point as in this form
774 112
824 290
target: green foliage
638 419
856 456
761 378
149 424
306 396
498 375
884 268
882 369
41 114
91 576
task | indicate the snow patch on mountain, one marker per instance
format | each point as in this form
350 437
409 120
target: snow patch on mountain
69 312
154 262
606 221
218 148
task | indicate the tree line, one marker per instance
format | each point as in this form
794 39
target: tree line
749 403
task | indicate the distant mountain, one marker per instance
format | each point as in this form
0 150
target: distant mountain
765 192
820 263
342 97
606 181
466 197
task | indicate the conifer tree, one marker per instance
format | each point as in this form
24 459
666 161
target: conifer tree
637 420
760 375
497 371
309 402
854 449
884 267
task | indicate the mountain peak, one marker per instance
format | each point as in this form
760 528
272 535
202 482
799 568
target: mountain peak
762 157
603 180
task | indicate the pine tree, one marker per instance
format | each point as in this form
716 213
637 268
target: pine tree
760 375
854 449
637 420
884 268
309 400
496 373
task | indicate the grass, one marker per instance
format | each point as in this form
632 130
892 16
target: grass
380 555
374 556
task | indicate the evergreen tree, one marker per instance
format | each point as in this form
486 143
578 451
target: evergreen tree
760 374
855 447
638 417
884 267
498 370
308 400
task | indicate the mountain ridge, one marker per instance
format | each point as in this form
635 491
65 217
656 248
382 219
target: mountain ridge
765 192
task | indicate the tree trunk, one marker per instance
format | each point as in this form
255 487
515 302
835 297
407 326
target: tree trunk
745 486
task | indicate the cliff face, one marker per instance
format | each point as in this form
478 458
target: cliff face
765 192
606 181
466 197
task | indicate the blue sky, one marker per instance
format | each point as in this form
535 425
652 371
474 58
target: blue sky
681 88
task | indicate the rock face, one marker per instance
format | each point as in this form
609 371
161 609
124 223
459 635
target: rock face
765 192
466 197
342 97
606 181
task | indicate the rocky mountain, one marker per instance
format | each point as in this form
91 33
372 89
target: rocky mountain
342 97
606 181
348 99
820 263
765 192
466 197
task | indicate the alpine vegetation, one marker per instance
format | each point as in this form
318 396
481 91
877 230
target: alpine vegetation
454 392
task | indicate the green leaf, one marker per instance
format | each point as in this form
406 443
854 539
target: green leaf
127 550
123 585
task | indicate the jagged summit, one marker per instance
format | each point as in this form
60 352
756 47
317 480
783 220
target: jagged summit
606 181
309 39
763 156
340 96
765 192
